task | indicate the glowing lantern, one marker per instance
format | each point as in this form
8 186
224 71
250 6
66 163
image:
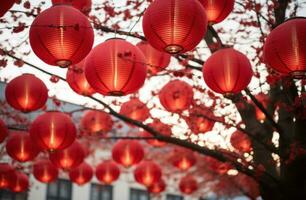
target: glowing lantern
5 6
156 60
18 182
5 170
147 173
26 93
120 71
107 172
82 174
174 26
199 119
68 158
127 152
157 187
227 71
162 128
183 158
77 81
285 48
3 131
95 122
82 5
176 96
264 100
217 11
135 110
188 185
20 147
61 36
241 142
53 131
44 171
217 166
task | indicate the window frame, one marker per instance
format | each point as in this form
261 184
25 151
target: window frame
59 182
175 196
108 187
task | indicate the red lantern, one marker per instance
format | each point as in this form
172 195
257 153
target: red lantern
21 147
217 166
175 26
183 158
107 172
264 100
135 110
157 187
285 48
147 173
217 11
18 182
188 185
156 60
241 142
5 6
77 81
44 171
176 96
61 35
3 131
68 158
120 71
53 131
82 5
227 71
127 152
95 122
26 93
5 171
82 174
162 128
200 119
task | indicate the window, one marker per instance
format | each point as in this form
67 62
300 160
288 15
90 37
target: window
136 194
7 195
101 192
59 190
174 197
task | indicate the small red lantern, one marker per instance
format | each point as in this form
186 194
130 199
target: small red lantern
26 93
82 174
18 182
200 119
44 171
147 173
157 187
227 71
61 36
120 71
176 96
217 11
127 152
264 100
241 142
5 6
156 60
21 147
188 184
162 128
83 5
94 122
5 171
175 26
77 81
183 158
107 172
68 158
135 110
285 48
217 166
53 131
3 131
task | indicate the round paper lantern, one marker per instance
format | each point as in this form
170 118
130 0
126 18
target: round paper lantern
217 11
21 147
53 131
107 172
217 166
162 128
77 81
157 187
264 100
147 173
61 36
176 96
188 185
3 131
82 5
45 171
199 119
115 68
174 26
156 60
135 110
241 142
127 152
183 158
285 48
5 6
227 71
94 122
5 170
26 93
82 174
18 182
68 158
